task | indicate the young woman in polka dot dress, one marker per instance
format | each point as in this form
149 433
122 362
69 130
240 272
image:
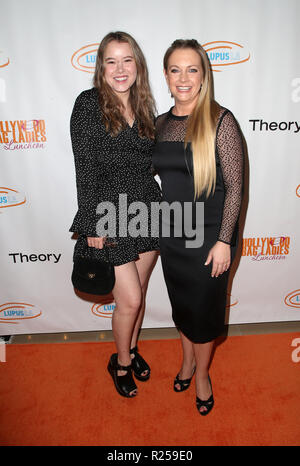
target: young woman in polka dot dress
112 132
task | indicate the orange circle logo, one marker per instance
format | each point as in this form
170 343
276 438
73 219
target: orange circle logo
10 198
298 191
223 53
4 61
231 300
103 310
293 299
11 313
84 59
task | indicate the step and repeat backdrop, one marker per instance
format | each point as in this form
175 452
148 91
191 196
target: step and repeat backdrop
47 57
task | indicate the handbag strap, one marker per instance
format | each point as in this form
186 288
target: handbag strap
105 248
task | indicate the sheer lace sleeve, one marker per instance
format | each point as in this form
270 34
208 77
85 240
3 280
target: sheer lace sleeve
230 152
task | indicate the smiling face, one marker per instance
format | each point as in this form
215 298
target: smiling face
184 75
120 69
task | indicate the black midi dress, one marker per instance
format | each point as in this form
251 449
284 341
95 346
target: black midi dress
116 171
198 300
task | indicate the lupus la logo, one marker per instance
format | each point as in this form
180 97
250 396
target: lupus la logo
12 313
11 198
103 310
223 53
266 248
293 299
84 59
23 134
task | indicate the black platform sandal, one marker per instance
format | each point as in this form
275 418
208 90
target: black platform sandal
139 365
184 384
208 404
123 383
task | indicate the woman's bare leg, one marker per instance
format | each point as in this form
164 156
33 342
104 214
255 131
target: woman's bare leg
188 359
144 265
128 298
198 354
203 355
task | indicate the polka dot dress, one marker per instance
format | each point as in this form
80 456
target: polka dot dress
110 169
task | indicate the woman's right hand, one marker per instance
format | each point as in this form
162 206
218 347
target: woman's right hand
97 242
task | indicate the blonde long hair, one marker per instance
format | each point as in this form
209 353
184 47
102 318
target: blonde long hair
201 125
141 99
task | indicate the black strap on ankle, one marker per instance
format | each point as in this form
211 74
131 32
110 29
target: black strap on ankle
123 368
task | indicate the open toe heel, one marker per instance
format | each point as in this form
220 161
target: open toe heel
124 383
184 384
207 404
139 365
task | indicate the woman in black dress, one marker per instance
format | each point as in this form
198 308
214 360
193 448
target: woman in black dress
112 132
199 158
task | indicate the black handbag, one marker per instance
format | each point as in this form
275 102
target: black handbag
93 276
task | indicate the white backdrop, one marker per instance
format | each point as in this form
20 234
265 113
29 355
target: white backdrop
46 52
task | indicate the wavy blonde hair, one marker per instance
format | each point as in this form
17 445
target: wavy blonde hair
141 99
201 125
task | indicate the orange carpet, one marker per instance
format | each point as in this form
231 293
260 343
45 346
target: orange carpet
62 394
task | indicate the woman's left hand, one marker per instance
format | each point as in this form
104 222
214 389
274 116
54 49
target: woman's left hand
220 257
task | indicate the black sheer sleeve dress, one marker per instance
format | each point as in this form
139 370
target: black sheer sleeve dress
107 167
198 300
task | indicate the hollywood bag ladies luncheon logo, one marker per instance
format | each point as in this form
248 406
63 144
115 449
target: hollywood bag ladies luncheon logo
223 54
23 134
84 59
12 313
267 248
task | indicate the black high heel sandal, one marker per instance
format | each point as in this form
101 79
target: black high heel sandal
208 404
184 384
123 383
139 365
